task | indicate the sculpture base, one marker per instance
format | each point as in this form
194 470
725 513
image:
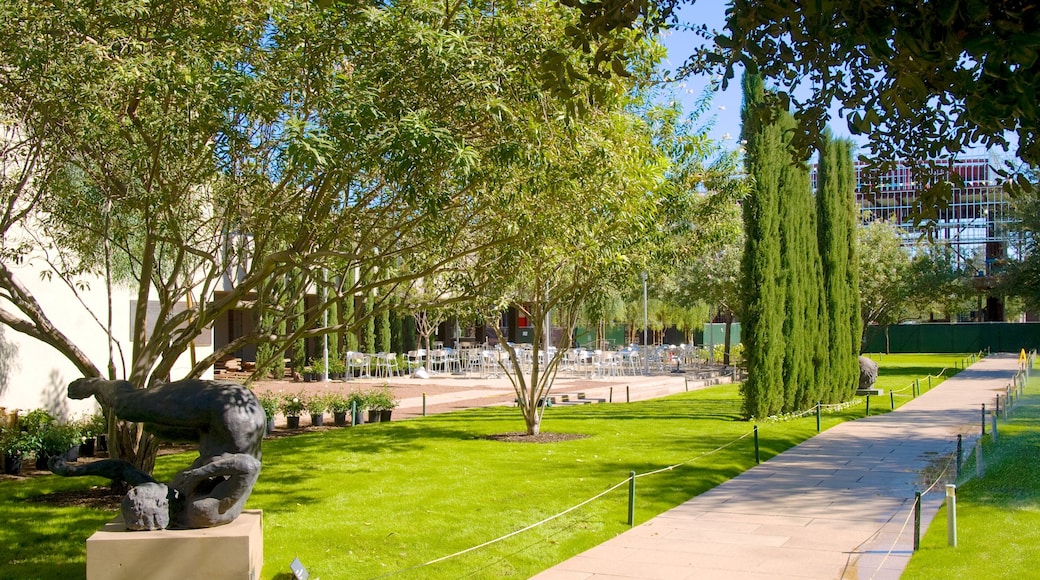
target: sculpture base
232 551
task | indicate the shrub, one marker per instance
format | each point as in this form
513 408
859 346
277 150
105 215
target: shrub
18 443
57 438
292 406
270 403
316 403
34 421
339 403
359 399
382 399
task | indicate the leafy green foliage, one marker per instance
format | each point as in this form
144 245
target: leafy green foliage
922 79
763 288
836 211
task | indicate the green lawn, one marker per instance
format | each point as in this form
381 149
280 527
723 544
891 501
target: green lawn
998 516
386 498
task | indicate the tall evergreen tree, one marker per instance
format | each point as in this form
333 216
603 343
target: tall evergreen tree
383 331
350 337
836 209
762 286
801 277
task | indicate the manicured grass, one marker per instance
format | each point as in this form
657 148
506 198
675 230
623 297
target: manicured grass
375 500
998 516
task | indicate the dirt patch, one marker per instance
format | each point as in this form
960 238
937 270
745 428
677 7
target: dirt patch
97 497
539 438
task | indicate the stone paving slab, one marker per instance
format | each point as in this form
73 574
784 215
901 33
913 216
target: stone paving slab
837 506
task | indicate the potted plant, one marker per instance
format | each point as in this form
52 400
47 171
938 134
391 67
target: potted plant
337 368
316 405
318 370
307 372
339 405
357 401
98 426
383 402
15 444
34 421
58 440
87 436
292 408
269 402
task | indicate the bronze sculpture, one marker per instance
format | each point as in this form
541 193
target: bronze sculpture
223 417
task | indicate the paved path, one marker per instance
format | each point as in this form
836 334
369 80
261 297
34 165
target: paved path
835 506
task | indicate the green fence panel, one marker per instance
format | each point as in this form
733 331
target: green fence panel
958 337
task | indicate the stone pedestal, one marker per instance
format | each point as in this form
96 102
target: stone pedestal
233 551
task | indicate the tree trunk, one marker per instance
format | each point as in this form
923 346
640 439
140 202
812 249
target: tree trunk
726 338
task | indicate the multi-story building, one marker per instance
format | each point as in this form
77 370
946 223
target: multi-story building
975 224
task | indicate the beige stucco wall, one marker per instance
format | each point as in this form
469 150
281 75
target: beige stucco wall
32 374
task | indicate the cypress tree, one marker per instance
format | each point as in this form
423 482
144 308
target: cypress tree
800 273
836 207
383 331
762 286
350 341
334 337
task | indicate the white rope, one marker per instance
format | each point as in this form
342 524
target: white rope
566 511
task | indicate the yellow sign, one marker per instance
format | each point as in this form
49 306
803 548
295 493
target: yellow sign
1022 357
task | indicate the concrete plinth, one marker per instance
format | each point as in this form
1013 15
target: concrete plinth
231 552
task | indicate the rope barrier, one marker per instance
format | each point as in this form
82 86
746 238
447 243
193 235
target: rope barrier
509 535
910 515
834 406
702 455
564 512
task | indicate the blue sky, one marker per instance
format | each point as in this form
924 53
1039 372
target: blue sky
725 104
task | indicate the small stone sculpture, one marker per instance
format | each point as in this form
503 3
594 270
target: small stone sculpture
226 420
868 370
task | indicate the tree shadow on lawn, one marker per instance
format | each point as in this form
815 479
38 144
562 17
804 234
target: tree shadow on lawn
44 541
915 372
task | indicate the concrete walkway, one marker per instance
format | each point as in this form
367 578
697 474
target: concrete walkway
837 506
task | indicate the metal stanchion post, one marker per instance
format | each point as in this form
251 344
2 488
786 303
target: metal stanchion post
951 515
610 397
984 418
867 414
892 399
628 395
424 404
819 405
993 418
917 521
960 453
758 458
631 498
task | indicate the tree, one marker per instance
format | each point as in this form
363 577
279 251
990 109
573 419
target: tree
884 276
1022 278
173 148
922 79
836 210
596 190
763 287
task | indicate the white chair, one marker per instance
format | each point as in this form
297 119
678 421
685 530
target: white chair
358 361
386 364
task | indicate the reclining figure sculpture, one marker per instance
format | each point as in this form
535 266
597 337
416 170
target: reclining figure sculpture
226 420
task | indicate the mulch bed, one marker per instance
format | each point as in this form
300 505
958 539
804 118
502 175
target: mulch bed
539 438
